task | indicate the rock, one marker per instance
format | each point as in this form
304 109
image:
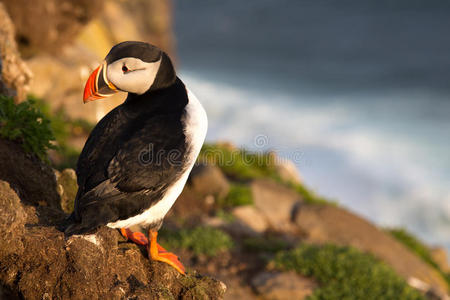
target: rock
287 170
330 224
32 179
276 203
13 218
15 75
209 180
48 25
37 262
283 286
251 217
67 188
439 255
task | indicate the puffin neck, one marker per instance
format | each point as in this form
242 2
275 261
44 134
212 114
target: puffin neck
168 99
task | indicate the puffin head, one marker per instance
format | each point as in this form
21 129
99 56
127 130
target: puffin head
133 67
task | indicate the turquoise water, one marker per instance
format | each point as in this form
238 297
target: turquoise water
357 93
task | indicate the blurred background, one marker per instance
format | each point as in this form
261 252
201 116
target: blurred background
356 94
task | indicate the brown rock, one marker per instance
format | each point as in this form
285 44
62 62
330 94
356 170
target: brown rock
331 224
283 286
14 74
67 188
251 217
13 218
48 25
209 180
276 202
287 170
32 179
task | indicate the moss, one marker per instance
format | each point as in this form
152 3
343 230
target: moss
419 248
239 194
345 273
195 287
200 240
27 125
265 244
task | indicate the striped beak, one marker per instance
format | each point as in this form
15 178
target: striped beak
98 86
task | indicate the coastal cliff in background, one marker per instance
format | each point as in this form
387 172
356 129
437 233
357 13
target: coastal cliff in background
63 40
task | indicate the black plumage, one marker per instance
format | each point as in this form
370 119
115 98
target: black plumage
131 158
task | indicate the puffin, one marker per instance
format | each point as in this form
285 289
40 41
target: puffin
138 157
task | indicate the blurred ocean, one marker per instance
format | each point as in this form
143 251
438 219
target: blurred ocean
357 93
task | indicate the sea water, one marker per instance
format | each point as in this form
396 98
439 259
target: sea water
356 93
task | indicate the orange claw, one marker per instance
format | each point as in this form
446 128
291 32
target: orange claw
157 252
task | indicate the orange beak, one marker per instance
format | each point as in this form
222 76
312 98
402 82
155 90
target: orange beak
98 86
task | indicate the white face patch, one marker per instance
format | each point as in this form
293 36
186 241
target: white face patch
132 75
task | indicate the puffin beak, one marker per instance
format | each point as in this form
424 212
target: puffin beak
98 86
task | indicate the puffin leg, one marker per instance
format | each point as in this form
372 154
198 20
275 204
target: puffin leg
157 252
137 237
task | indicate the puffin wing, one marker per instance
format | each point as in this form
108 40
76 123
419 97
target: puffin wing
149 159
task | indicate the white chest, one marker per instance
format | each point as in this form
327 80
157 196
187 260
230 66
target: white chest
196 124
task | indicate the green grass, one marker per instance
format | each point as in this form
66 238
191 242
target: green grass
419 248
239 164
27 125
239 194
345 273
200 240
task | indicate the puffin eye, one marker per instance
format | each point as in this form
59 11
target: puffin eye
125 69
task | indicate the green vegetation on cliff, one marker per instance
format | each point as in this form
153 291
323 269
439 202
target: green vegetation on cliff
27 125
200 240
419 248
242 165
345 273
239 194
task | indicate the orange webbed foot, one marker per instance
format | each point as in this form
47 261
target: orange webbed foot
136 237
157 252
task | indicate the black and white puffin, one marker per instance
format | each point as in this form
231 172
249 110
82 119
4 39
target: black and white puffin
137 159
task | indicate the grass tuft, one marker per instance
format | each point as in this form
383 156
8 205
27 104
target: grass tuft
238 195
345 273
200 240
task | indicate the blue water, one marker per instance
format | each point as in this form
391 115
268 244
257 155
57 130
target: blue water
357 93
